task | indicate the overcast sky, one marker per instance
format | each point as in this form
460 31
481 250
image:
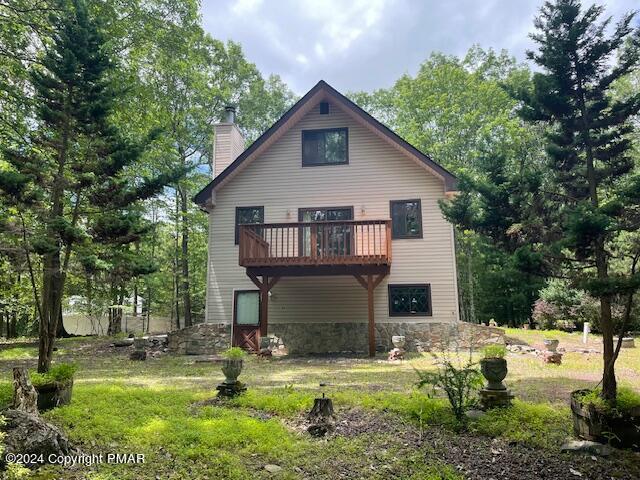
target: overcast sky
368 44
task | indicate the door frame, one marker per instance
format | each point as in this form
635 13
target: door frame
311 209
235 311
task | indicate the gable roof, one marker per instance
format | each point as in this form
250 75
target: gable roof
322 91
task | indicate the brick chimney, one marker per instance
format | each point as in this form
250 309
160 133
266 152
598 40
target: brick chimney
228 142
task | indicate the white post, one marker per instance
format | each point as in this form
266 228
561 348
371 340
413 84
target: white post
585 332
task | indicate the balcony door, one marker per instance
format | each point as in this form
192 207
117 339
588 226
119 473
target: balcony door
326 240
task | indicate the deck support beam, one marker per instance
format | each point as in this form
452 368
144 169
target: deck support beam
265 285
370 284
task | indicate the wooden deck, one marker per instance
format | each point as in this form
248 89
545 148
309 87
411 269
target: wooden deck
316 244
360 248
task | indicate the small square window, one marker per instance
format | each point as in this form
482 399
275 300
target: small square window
406 219
324 108
409 300
247 216
324 147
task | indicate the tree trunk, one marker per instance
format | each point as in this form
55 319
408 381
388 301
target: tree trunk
176 280
186 290
25 397
13 326
53 284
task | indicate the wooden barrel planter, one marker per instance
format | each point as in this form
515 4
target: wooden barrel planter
54 394
621 431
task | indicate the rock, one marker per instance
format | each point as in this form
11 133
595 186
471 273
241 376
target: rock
586 446
125 342
396 354
552 357
27 433
273 468
474 414
139 355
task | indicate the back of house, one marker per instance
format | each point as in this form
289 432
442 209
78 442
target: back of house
325 235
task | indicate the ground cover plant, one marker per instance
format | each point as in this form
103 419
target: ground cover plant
166 409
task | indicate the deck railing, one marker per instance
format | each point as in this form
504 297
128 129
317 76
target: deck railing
351 242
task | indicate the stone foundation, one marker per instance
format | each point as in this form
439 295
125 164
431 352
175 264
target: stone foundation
200 339
425 337
339 338
310 338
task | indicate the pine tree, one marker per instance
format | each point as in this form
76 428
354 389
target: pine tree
75 162
578 214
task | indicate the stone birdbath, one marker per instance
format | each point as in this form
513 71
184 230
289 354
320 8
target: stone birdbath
551 355
397 353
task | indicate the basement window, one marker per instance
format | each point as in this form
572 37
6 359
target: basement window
409 300
325 147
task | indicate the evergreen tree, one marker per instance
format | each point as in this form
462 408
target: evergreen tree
74 162
578 215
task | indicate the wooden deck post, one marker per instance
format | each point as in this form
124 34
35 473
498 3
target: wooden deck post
370 285
372 325
264 306
265 287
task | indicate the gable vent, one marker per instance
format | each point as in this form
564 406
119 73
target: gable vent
324 108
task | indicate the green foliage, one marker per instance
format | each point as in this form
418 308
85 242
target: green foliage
494 351
234 353
536 425
627 401
574 212
459 382
60 373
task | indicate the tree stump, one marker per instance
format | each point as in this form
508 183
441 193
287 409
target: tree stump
27 433
25 397
322 408
321 417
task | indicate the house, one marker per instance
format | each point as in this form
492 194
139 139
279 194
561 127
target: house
326 233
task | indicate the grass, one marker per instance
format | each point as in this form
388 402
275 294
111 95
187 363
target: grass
152 408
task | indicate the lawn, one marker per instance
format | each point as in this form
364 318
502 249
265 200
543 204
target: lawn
165 408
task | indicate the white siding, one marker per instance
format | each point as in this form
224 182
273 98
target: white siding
376 174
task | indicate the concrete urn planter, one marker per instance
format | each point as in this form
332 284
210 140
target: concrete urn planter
398 341
54 394
551 344
231 367
494 370
139 343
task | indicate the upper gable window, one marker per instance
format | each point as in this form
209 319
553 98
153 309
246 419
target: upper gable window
406 219
325 147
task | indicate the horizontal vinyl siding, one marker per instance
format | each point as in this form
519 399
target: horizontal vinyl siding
376 174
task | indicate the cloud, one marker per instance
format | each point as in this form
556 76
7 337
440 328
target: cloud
245 7
368 44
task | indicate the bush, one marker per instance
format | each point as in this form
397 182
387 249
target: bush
459 384
626 401
563 307
61 373
494 351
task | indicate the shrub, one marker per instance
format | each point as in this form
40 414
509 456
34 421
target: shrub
545 315
494 351
626 401
234 353
61 373
459 384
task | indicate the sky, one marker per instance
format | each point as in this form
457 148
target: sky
368 44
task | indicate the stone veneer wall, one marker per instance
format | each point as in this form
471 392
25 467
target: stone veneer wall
200 339
306 338
309 338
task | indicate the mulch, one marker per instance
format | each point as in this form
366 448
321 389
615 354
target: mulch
479 457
